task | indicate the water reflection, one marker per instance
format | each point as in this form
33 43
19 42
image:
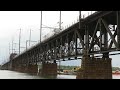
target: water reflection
5 74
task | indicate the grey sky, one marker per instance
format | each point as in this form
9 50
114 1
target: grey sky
12 21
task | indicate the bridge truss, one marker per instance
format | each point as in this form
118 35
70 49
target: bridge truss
99 34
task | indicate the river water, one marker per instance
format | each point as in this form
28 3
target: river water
5 74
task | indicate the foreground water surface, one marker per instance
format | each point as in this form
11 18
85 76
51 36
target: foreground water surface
5 74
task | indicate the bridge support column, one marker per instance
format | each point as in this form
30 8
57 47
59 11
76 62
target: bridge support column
21 69
18 68
48 70
95 68
32 69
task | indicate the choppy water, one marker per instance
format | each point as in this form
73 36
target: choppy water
5 74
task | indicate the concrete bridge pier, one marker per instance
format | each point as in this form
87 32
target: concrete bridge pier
95 68
48 70
32 69
16 68
21 69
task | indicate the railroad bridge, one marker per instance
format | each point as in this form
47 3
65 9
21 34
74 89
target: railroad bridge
91 40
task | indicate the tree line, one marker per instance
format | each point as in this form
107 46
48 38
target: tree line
72 67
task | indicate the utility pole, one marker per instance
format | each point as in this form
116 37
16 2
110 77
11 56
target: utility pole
60 21
26 44
60 29
30 37
40 26
19 39
9 48
12 45
79 19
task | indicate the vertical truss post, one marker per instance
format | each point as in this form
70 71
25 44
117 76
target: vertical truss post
56 49
87 37
68 44
86 40
75 44
101 33
105 37
118 28
61 47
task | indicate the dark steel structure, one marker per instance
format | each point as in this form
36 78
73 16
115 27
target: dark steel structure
99 33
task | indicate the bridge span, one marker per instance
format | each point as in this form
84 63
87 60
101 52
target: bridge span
96 34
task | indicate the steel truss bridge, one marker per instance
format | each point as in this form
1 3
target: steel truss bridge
99 33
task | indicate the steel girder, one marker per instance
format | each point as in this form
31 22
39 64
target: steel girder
99 34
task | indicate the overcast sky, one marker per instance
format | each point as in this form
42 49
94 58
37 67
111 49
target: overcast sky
12 21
